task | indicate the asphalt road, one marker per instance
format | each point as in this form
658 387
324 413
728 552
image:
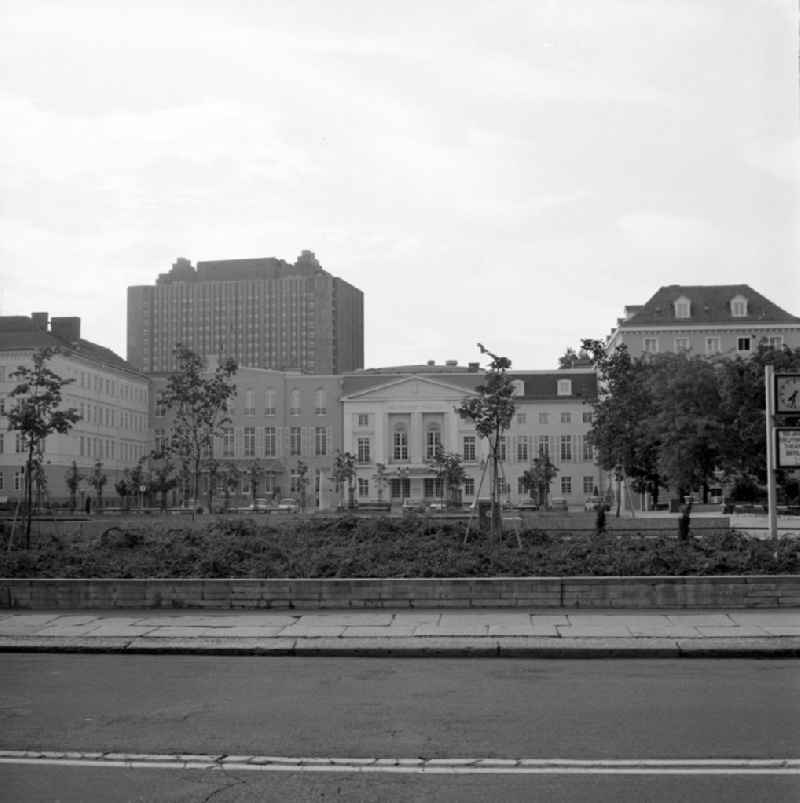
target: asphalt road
407 708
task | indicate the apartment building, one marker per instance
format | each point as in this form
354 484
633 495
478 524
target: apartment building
711 320
398 417
266 313
111 397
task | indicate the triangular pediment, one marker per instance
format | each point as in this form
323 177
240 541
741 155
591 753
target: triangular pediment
411 388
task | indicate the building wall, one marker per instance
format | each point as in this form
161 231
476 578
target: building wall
294 320
114 428
419 404
727 340
301 430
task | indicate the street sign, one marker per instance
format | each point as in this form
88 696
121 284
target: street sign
787 393
787 447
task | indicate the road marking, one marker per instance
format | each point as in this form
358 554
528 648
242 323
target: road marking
448 766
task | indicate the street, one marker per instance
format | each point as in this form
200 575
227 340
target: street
350 708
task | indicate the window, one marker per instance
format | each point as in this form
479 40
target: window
522 487
544 418
650 345
2 481
320 441
739 307
586 417
566 485
269 401
400 488
588 485
320 404
775 341
564 387
294 402
588 450
566 447
469 487
433 441
521 419
363 450
18 480
249 441
363 488
227 442
522 449
566 418
683 308
432 486
712 345
19 443
362 420
250 402
681 344
501 451
161 409
294 440
469 448
742 344
2 443
543 445
400 443
294 481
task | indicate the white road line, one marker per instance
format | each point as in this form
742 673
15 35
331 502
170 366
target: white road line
441 766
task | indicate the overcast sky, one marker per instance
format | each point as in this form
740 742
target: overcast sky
509 172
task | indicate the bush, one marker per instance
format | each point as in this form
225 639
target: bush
353 547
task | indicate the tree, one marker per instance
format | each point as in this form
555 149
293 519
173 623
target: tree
344 471
163 477
124 487
138 479
491 411
34 414
621 431
255 473
538 477
380 479
231 476
97 479
301 483
73 479
449 472
198 400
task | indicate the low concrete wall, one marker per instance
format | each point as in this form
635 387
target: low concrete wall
755 591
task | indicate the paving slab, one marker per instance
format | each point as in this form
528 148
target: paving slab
523 630
704 619
230 620
454 630
311 631
211 646
742 631
234 631
391 631
595 629
366 619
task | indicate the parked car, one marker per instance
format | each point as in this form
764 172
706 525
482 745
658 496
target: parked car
288 505
437 504
558 503
528 504
592 503
410 505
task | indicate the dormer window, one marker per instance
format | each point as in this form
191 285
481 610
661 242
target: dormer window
739 307
683 308
519 387
564 387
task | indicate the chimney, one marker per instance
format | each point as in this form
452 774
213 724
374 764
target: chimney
451 363
473 367
40 320
431 362
67 329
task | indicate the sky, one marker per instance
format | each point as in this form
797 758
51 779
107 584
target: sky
513 173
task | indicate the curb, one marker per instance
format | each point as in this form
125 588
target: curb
418 647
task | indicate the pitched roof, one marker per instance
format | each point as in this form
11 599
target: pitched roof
709 304
19 333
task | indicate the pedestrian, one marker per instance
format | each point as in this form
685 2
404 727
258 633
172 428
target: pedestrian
88 505
600 519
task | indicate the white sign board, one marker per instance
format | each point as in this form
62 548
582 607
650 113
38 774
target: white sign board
788 448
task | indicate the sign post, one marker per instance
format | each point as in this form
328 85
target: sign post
772 510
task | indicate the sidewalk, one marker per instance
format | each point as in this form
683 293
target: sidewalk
475 632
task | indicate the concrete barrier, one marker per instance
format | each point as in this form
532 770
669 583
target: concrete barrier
721 592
